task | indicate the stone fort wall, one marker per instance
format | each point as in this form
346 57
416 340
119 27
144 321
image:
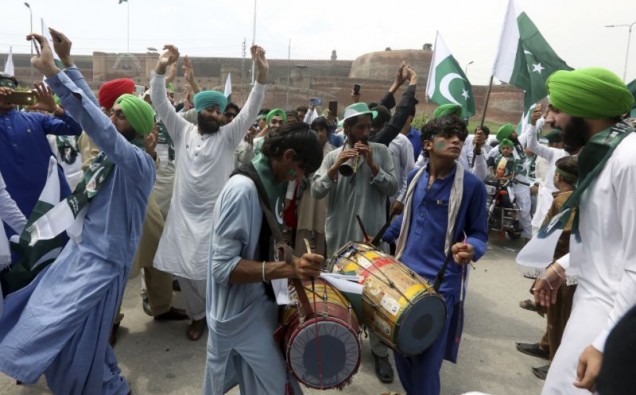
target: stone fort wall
293 81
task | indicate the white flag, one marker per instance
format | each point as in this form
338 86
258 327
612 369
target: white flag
524 58
47 35
8 65
228 86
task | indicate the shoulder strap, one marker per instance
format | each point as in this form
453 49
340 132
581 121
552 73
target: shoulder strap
250 171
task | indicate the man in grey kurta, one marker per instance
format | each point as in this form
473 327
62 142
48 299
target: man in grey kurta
365 193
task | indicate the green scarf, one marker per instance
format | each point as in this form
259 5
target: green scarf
164 138
62 217
592 160
275 190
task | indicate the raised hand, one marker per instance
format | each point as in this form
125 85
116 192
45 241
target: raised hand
170 56
62 46
411 75
188 73
262 66
43 61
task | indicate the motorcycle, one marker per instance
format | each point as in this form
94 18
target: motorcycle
503 213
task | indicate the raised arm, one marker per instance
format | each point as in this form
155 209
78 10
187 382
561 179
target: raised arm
402 112
166 112
80 106
188 73
235 130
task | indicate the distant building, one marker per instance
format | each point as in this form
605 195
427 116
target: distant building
329 79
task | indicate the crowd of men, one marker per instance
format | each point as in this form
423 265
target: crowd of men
204 192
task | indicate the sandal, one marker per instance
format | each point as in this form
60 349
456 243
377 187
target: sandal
528 305
196 329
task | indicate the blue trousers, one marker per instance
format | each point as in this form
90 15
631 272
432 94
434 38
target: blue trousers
419 374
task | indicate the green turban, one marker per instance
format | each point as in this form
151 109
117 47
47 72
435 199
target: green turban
592 93
505 131
138 113
446 110
206 99
276 112
632 88
506 143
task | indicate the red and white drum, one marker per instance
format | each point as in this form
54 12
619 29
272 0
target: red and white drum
322 350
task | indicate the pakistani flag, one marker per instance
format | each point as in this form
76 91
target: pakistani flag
525 59
8 65
35 258
447 83
228 87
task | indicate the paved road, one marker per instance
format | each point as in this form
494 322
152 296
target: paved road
157 358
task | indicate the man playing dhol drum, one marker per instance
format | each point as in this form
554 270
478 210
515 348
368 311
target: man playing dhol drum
241 314
445 213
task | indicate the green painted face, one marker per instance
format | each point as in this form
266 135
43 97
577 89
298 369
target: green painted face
440 145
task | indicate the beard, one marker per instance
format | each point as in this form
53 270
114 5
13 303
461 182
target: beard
129 134
575 134
207 125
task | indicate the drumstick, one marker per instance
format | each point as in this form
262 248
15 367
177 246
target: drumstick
364 231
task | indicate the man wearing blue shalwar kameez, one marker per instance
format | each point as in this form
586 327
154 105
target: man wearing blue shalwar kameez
241 316
445 213
59 324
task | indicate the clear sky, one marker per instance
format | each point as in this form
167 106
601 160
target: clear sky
471 28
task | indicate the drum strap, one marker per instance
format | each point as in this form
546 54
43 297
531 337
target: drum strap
284 250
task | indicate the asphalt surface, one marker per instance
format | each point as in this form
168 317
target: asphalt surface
157 358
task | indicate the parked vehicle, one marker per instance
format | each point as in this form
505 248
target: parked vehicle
503 213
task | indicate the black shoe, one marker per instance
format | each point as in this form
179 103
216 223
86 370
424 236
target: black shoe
146 305
383 369
173 314
534 350
541 372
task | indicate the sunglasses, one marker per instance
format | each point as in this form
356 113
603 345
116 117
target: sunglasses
230 114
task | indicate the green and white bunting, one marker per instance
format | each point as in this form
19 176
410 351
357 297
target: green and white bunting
447 83
525 59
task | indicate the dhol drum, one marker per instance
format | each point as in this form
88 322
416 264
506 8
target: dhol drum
322 348
398 305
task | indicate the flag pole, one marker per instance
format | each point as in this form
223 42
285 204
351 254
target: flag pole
254 43
128 27
483 115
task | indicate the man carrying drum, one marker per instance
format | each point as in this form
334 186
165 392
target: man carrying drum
241 312
445 218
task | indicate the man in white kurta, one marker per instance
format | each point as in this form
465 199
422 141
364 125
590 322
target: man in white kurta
586 105
204 162
551 154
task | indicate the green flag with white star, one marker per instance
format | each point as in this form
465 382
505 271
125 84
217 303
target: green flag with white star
525 59
447 83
